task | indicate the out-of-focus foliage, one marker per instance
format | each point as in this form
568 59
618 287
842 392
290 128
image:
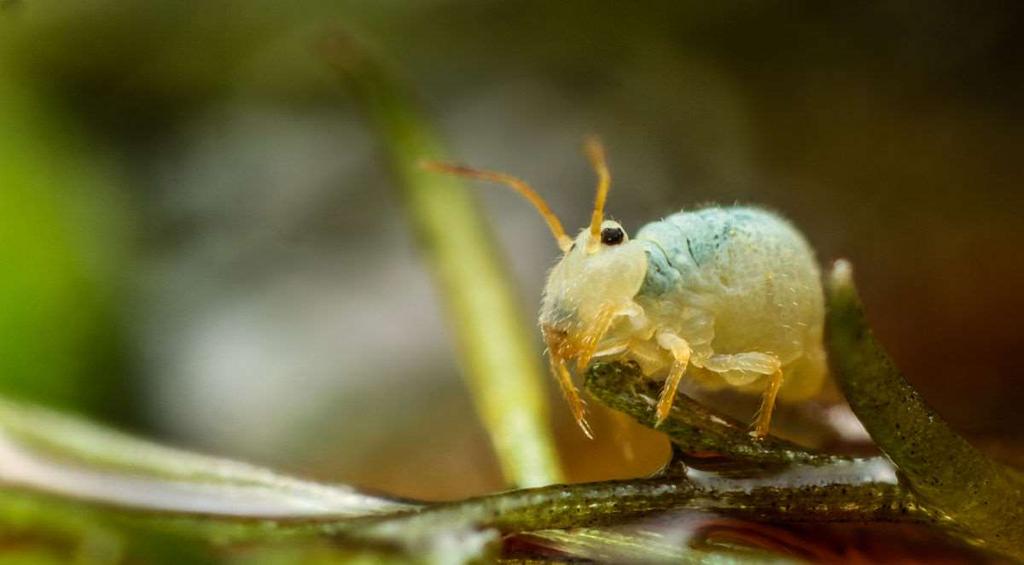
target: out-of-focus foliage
502 369
63 242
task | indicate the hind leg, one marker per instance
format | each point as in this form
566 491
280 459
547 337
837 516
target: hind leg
763 419
762 363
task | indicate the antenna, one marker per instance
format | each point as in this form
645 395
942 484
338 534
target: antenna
595 152
520 186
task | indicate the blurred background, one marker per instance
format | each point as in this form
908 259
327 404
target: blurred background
201 242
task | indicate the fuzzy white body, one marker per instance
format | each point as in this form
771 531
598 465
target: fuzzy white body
732 294
748 283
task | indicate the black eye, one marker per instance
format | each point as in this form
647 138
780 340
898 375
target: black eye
612 236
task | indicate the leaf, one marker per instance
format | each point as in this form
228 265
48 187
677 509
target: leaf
494 342
56 454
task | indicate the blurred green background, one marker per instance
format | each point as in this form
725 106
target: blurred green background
200 240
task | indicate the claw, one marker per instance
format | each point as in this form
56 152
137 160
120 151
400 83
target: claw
663 410
576 404
585 426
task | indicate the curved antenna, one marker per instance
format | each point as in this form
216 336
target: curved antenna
595 152
520 186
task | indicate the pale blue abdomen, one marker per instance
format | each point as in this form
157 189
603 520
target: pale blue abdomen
687 247
743 278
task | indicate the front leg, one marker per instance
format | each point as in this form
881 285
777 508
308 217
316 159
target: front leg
680 351
572 396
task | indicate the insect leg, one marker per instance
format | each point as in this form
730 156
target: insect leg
754 362
763 419
592 336
681 359
572 396
751 362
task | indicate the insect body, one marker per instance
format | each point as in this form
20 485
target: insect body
730 296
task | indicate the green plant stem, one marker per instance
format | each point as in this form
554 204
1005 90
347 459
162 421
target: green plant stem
497 355
525 510
846 499
981 495
691 426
